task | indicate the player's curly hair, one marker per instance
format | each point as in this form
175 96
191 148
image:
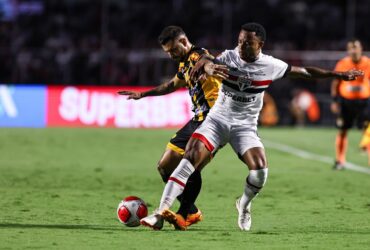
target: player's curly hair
170 33
257 28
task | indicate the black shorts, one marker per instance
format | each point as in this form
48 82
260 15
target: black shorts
180 139
353 112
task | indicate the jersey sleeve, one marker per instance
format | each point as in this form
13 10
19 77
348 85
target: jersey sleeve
280 70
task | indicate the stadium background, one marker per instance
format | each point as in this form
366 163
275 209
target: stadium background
114 43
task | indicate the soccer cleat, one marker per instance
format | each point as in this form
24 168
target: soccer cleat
154 221
175 219
338 166
244 217
192 219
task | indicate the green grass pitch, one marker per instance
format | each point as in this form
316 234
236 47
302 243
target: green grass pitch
59 189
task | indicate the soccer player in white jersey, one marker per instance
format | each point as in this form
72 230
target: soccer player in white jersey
246 74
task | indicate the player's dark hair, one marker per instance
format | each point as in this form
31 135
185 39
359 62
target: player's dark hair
353 40
257 28
170 33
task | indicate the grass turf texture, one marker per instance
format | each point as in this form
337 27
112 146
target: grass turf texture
60 187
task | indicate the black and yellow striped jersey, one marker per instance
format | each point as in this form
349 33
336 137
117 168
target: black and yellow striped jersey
203 93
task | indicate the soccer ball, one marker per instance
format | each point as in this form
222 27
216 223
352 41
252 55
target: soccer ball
130 210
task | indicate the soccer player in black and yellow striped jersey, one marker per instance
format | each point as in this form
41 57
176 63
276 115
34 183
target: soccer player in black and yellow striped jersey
203 94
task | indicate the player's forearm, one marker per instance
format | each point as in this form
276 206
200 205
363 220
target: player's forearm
315 72
162 89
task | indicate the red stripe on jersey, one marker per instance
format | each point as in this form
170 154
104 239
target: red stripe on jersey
200 137
261 83
177 181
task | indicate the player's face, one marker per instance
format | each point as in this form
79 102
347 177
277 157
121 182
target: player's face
175 49
249 45
354 50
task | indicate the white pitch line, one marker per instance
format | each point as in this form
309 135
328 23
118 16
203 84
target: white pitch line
312 156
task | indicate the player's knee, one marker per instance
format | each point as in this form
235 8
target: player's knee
343 132
257 179
196 154
191 155
258 163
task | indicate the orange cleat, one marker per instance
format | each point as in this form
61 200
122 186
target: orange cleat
175 219
194 218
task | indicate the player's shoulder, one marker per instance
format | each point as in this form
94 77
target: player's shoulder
366 59
269 59
196 53
345 61
229 52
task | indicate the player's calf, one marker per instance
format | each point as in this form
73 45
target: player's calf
254 183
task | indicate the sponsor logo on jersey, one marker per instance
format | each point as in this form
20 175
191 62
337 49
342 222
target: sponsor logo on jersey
238 98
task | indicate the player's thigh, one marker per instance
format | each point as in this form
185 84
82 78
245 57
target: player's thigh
249 148
255 158
347 115
175 149
206 140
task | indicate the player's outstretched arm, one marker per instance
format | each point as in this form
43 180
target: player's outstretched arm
163 89
206 66
315 73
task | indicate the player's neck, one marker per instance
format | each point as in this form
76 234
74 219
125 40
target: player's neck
252 58
189 47
356 60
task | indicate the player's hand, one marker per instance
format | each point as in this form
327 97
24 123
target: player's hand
334 107
351 75
197 72
217 70
131 94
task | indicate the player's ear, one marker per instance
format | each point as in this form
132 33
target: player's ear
183 41
261 43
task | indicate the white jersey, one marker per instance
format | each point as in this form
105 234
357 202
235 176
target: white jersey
240 98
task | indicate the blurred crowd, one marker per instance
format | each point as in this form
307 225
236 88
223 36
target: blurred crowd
110 41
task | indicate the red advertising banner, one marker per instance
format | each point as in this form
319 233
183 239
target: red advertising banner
102 107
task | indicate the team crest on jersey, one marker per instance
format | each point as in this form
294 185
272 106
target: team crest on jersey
194 56
244 83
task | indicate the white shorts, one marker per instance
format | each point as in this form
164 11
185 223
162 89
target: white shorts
215 133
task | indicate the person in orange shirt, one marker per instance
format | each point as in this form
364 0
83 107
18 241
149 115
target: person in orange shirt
350 98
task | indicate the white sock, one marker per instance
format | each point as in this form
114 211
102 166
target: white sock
176 184
255 182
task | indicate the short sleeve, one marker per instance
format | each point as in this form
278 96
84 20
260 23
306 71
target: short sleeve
281 68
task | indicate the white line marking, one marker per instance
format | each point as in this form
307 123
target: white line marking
312 156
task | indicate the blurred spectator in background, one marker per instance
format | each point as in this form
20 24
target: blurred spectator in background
304 107
111 42
269 114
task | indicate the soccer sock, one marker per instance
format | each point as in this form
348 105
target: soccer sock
176 184
341 148
255 181
188 189
190 194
